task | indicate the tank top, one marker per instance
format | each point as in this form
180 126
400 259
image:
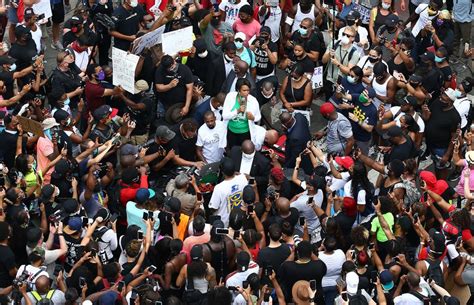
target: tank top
400 68
293 95
379 20
300 16
200 284
380 89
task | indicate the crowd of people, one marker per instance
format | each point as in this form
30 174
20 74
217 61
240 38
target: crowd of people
206 184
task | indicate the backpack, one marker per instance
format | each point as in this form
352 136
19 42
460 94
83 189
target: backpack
434 271
430 300
97 235
351 52
46 300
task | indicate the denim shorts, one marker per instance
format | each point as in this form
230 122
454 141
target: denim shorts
12 16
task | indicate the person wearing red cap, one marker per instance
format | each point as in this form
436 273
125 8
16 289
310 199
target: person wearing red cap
338 134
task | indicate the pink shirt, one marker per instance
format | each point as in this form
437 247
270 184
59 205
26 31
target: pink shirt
190 241
44 148
249 29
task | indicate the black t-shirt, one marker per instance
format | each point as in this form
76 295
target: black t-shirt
148 70
7 263
74 250
345 222
104 134
433 81
308 64
143 117
273 257
313 43
292 218
178 93
23 54
127 23
186 147
64 186
8 147
293 272
441 124
67 81
200 68
447 73
165 148
264 66
402 152
7 78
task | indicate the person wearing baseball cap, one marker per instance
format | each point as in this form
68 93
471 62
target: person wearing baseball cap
339 136
363 119
462 103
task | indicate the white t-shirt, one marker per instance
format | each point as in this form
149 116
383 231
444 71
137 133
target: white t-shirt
462 105
423 20
334 266
395 109
360 195
213 141
337 184
228 195
33 273
407 299
304 209
50 257
108 243
246 164
82 59
231 10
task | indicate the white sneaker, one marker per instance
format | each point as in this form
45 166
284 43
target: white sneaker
57 46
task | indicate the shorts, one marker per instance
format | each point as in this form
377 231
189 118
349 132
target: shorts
12 15
58 12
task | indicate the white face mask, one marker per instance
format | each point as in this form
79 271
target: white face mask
385 6
267 96
248 156
345 40
203 54
133 3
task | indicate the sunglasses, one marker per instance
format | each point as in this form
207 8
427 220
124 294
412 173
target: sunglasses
238 40
303 27
348 35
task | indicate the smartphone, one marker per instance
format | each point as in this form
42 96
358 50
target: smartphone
199 196
373 276
268 271
82 282
120 286
425 196
250 208
151 215
339 80
158 303
371 246
85 221
344 296
245 284
145 216
168 216
113 217
58 268
415 218
232 288
236 234
134 296
312 285
396 259
251 180
222 231
266 297
139 234
310 200
301 220
152 268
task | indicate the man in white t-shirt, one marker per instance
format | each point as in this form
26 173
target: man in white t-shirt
426 13
231 9
227 194
416 294
35 269
211 139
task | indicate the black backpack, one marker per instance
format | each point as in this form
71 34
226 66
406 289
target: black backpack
434 271
430 300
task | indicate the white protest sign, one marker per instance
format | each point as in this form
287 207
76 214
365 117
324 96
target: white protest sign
43 7
124 65
317 77
178 40
363 11
155 9
148 40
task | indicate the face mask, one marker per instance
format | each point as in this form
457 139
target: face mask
345 40
47 134
238 44
373 60
67 101
203 54
267 96
439 59
385 6
227 58
149 25
350 22
133 3
101 75
363 99
351 79
12 68
458 93
248 156
303 31
439 22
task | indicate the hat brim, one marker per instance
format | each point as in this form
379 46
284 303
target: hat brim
294 292
50 126
67 229
388 286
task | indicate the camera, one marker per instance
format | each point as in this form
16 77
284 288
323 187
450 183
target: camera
260 40
271 192
21 280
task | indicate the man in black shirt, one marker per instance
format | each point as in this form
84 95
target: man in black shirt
8 74
313 41
8 139
266 54
67 77
174 84
402 148
24 49
162 166
432 76
7 257
127 18
200 63
140 108
185 141
442 121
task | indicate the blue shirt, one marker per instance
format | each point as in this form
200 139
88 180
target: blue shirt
463 11
135 216
353 89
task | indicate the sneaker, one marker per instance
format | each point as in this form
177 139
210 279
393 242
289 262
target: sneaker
454 175
57 46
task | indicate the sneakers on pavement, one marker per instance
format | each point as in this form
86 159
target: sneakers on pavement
57 46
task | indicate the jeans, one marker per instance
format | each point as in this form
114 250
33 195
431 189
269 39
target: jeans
330 294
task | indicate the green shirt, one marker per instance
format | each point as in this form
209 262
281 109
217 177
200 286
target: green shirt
377 228
239 124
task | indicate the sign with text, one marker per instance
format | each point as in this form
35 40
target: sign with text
317 77
43 7
178 40
364 12
124 65
148 40
30 125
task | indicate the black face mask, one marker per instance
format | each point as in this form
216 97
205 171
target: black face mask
350 22
373 60
215 21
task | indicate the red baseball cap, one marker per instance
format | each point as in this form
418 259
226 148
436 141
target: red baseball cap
346 162
326 109
350 206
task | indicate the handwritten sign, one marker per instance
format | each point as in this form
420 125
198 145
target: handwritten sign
30 125
124 65
317 77
148 40
178 40
364 12
43 7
